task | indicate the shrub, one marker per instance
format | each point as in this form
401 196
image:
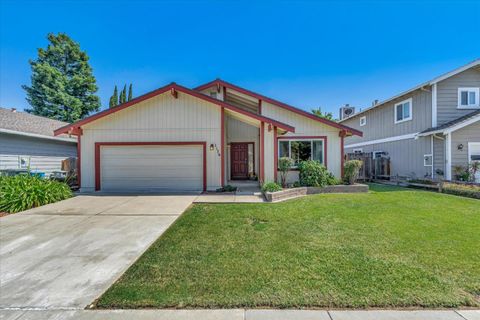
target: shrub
465 190
352 169
314 174
284 164
461 173
271 187
22 192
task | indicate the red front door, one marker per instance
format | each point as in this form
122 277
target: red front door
239 158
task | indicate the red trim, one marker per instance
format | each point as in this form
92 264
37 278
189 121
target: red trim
222 138
342 152
174 93
280 104
79 157
325 147
275 154
259 105
224 92
262 152
176 87
152 143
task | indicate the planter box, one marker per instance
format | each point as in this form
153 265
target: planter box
342 188
303 191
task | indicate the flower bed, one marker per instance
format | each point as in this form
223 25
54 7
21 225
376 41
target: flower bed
291 193
461 189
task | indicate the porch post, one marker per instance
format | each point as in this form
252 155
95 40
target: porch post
342 151
222 146
262 151
275 154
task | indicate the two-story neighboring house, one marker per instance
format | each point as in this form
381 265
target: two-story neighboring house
427 131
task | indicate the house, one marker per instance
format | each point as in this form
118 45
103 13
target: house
431 130
176 138
27 142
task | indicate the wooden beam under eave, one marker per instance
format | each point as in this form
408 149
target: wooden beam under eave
174 93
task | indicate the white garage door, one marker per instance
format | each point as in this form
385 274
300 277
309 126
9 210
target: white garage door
151 168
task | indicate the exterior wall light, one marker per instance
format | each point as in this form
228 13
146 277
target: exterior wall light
460 147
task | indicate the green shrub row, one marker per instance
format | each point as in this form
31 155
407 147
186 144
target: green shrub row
24 192
314 174
271 187
465 190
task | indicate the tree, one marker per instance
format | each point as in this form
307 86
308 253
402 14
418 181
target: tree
326 115
130 93
114 98
123 95
284 164
63 86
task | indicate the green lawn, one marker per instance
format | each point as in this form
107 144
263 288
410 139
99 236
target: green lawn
392 247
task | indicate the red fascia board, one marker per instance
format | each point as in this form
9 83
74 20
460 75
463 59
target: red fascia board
71 127
280 104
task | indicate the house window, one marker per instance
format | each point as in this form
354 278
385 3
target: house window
301 150
427 160
403 111
468 98
363 121
213 94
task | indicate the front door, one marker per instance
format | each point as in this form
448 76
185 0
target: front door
239 158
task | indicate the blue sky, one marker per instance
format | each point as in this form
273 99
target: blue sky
306 53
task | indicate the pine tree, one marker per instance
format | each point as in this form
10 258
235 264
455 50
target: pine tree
123 95
130 92
63 86
114 98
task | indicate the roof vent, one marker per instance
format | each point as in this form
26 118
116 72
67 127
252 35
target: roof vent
375 102
14 109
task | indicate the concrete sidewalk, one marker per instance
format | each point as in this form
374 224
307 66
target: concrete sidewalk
241 314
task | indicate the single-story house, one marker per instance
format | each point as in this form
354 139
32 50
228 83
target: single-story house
176 138
27 142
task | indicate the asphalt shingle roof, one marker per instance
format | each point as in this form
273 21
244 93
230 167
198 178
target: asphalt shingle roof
29 123
453 122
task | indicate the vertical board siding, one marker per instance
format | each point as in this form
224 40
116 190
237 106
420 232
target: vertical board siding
447 94
406 156
238 131
381 124
463 136
306 127
159 119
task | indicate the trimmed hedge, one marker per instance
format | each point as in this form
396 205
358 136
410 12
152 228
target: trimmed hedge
314 174
22 192
464 190
271 187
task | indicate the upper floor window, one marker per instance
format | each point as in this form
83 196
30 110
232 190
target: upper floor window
213 94
468 97
363 121
403 111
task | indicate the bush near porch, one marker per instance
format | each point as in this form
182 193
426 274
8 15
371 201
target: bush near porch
391 247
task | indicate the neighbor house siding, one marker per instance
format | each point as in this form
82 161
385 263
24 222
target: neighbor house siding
159 119
447 94
303 127
44 155
439 157
463 136
380 120
406 156
238 131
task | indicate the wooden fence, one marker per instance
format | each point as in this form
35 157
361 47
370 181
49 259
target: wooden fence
378 168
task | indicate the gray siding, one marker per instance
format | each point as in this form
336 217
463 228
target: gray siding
380 120
463 136
447 94
438 157
406 156
44 155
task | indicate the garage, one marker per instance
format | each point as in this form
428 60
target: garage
150 167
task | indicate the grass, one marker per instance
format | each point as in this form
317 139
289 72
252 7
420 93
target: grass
392 247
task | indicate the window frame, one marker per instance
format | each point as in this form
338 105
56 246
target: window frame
410 117
475 90
425 161
363 121
311 139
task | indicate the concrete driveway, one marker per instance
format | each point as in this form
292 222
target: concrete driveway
65 255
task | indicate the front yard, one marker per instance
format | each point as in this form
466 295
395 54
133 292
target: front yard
392 247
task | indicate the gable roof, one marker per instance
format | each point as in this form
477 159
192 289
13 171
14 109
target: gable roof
279 104
454 124
172 86
26 124
420 86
